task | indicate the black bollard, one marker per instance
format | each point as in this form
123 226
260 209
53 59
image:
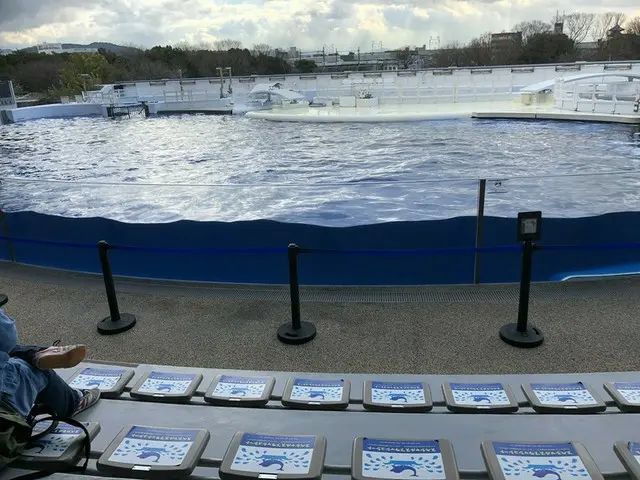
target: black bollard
521 334
117 322
296 332
3 299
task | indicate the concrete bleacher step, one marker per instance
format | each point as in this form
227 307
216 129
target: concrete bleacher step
464 429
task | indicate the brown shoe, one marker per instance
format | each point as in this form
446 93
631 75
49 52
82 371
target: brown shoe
65 356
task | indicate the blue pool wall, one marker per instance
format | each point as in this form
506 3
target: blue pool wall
319 269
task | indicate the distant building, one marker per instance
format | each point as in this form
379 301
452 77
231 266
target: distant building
57 48
410 58
558 28
615 31
293 54
506 39
505 46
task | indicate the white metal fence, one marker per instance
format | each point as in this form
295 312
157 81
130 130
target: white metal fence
598 97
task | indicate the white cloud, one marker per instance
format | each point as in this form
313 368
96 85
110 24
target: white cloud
307 24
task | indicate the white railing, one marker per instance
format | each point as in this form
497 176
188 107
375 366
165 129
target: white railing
399 94
179 96
127 96
621 98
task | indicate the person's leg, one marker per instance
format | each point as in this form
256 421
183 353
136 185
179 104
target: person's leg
25 353
26 386
47 358
66 401
58 395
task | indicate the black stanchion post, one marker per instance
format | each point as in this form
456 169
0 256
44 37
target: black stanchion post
521 334
297 331
117 322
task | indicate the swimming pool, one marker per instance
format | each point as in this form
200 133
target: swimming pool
232 168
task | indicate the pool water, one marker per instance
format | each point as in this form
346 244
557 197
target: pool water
201 167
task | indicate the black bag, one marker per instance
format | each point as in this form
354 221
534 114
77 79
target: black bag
16 433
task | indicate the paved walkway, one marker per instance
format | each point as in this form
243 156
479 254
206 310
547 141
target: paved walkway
591 326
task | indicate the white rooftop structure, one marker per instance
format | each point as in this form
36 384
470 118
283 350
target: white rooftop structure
51 48
548 84
276 89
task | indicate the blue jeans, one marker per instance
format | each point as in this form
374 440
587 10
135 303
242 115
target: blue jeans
33 386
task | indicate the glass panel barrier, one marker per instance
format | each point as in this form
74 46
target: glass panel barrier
326 204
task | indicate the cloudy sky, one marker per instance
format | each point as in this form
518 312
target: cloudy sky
307 24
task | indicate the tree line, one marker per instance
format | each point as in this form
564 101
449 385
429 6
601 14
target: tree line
52 76
584 37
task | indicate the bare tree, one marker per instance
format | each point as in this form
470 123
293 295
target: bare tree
605 22
204 45
184 46
578 25
262 49
448 56
532 28
478 50
226 44
633 26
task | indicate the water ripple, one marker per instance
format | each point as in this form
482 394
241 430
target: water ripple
335 170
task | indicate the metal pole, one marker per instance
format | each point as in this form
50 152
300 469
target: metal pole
522 334
525 286
296 331
294 287
482 188
107 275
116 322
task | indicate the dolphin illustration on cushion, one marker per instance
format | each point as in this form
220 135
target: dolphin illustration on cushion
480 398
566 398
399 466
149 452
270 460
541 471
240 391
94 383
39 446
316 394
396 397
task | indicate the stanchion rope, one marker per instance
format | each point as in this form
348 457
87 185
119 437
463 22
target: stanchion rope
328 251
